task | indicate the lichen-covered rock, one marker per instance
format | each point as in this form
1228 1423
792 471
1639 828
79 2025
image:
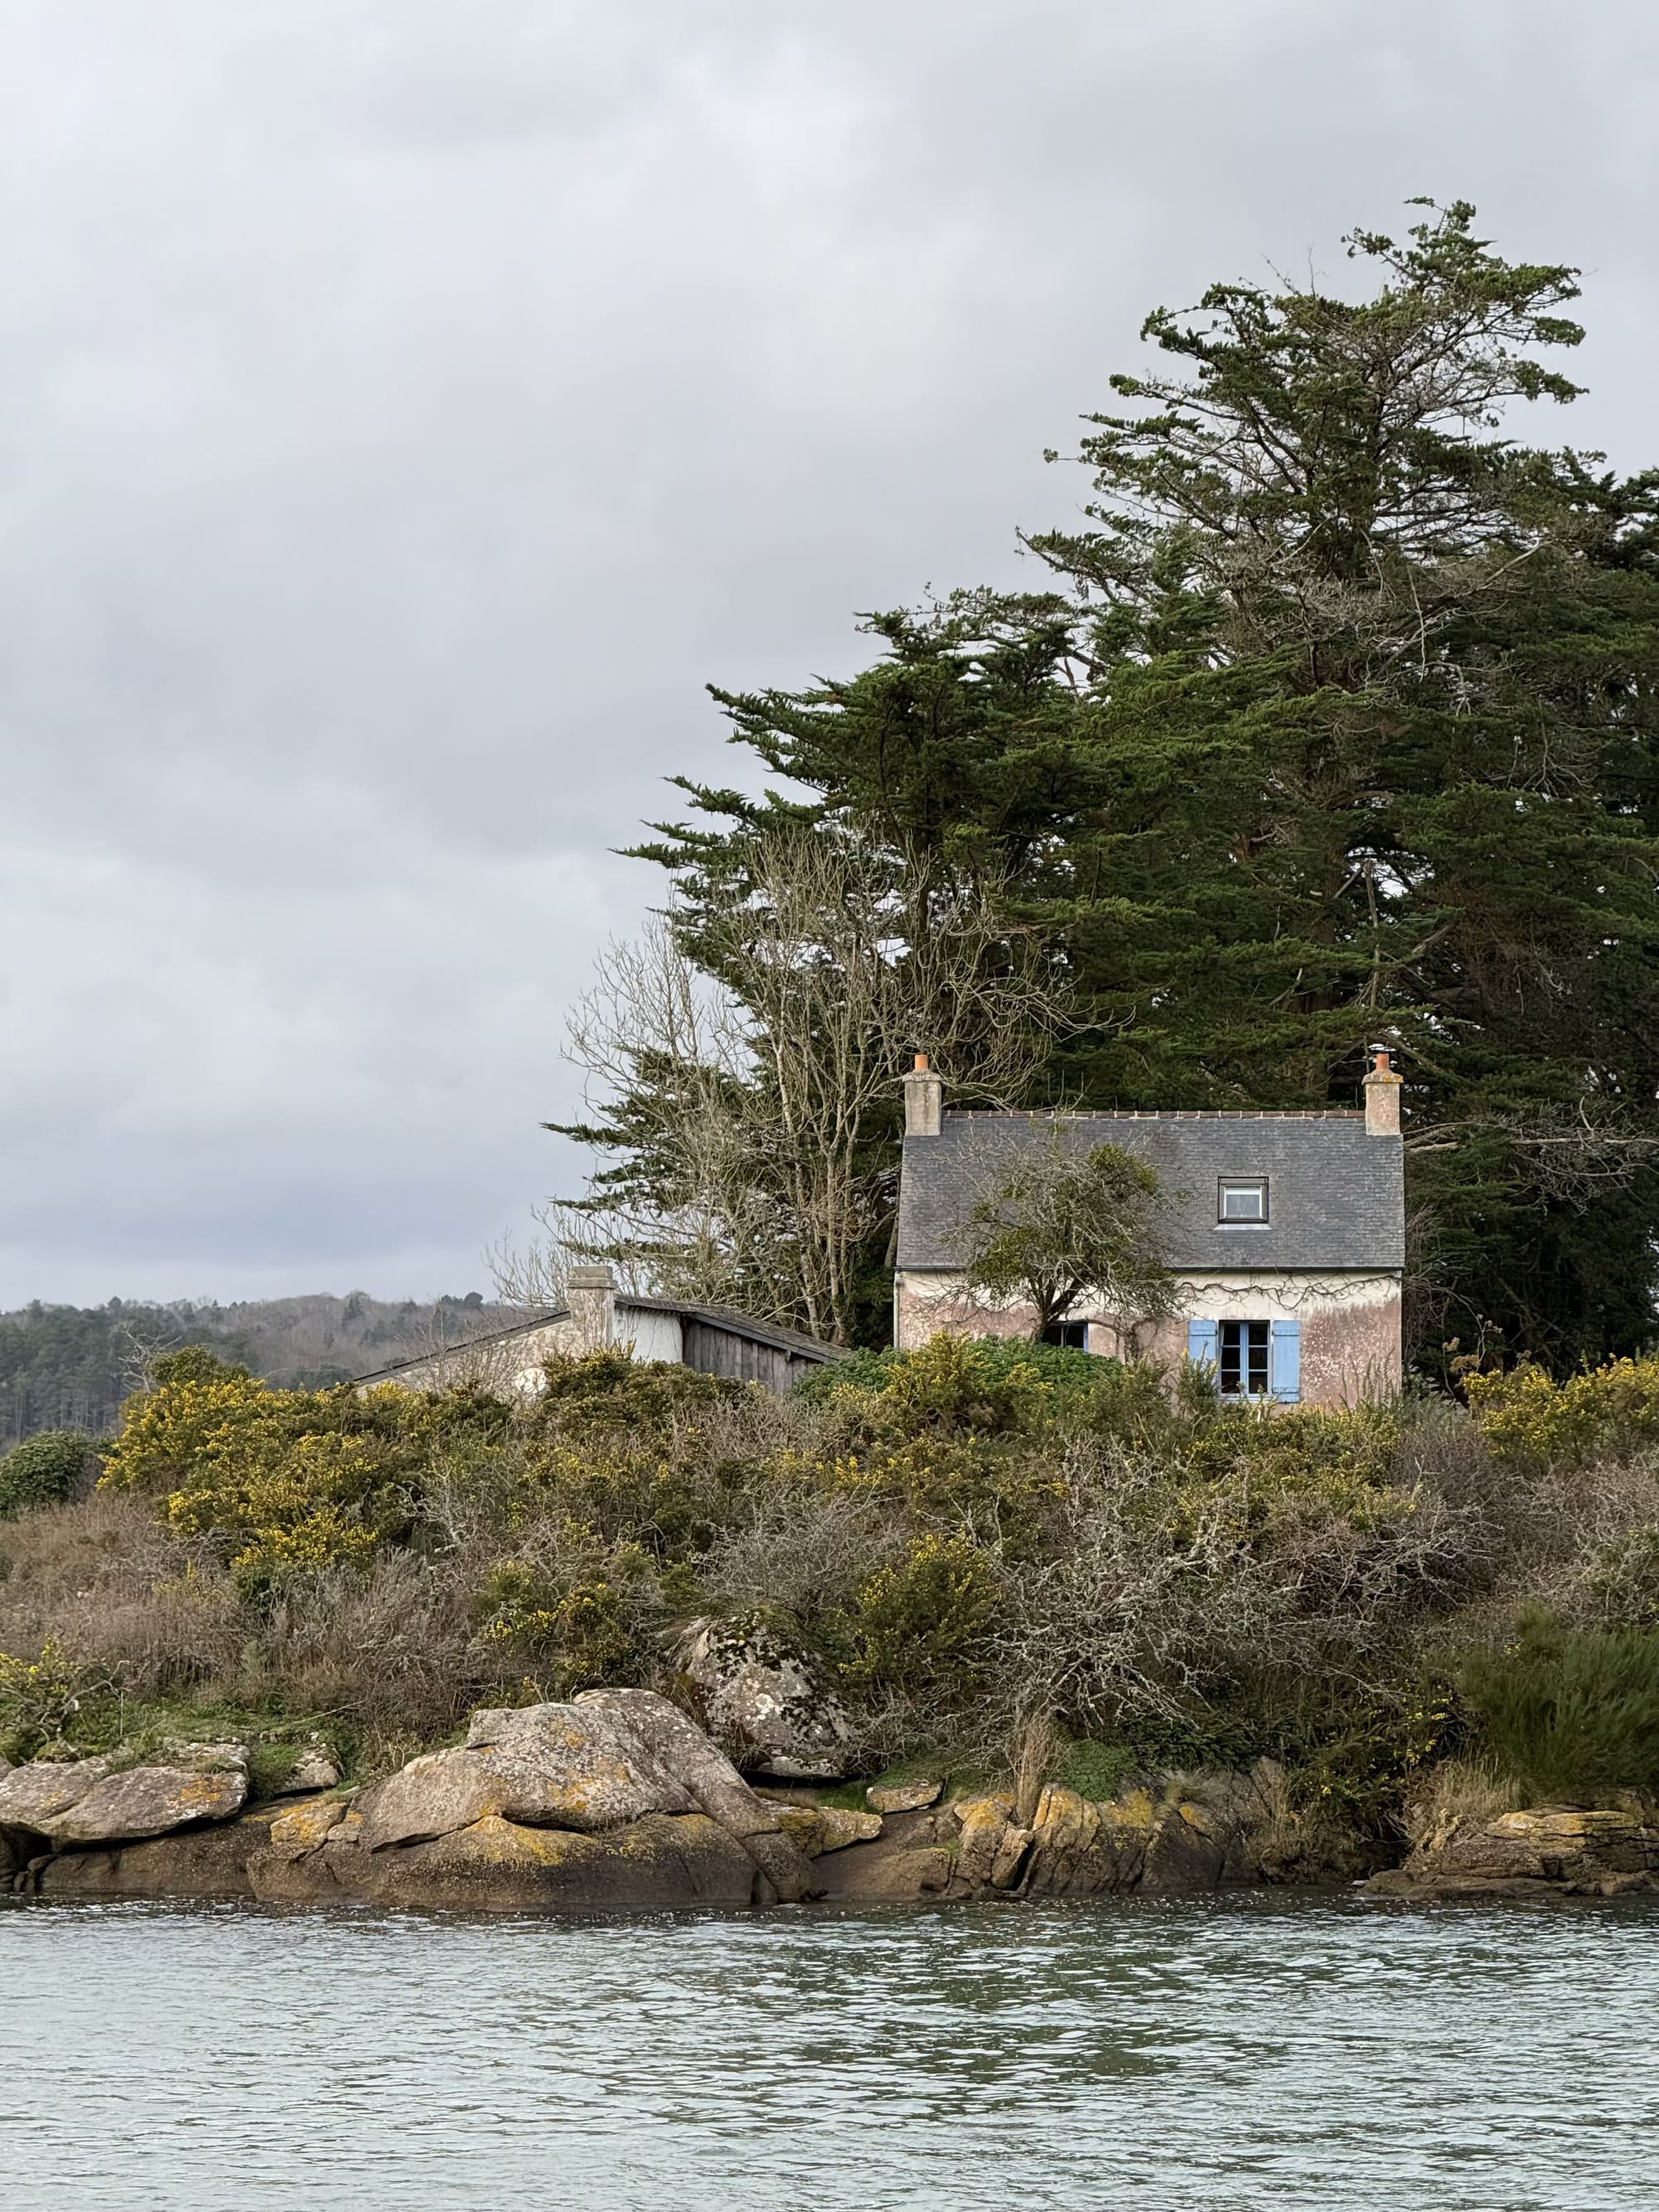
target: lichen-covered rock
210 1862
494 1865
1078 1847
764 1702
615 1799
902 1876
32 1796
572 1774
298 1829
305 1844
902 1797
672 1742
1568 1851
315 1768
1179 1835
86 1803
224 1756
663 1861
148 1800
816 1829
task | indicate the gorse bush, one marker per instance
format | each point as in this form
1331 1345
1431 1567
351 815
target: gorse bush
1533 1422
960 1382
42 1698
47 1469
964 1540
288 1481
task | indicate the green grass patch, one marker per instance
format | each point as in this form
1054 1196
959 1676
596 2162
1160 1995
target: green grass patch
1572 1713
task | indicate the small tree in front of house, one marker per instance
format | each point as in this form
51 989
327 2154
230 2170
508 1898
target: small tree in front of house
1063 1223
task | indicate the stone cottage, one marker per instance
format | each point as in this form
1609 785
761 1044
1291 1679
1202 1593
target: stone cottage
1286 1238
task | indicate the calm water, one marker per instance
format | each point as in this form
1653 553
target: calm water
1284 2054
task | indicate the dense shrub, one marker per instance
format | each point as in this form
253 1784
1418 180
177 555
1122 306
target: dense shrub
289 1481
1533 1422
981 1544
42 1698
975 1382
47 1469
1569 1713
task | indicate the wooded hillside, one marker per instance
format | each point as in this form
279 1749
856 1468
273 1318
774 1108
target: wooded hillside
69 1367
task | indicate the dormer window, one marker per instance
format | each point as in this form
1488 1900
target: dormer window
1242 1202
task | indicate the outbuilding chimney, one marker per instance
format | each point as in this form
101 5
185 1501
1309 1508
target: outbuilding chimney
590 1294
924 1100
1383 1089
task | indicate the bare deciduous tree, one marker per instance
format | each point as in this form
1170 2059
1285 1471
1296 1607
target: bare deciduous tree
751 1090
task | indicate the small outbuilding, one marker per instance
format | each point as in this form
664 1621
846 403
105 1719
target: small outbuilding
1286 1238
597 1317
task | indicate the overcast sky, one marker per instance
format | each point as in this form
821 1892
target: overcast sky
407 405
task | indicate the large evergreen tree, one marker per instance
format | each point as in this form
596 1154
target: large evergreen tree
1376 742
1341 726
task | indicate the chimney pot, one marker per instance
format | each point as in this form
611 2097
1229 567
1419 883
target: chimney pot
924 1100
1383 1090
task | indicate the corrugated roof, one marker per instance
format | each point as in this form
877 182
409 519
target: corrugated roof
1336 1194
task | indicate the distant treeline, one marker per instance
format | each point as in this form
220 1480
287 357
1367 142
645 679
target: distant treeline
69 1367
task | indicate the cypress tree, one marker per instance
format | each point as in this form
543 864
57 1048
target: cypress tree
1339 726
1373 733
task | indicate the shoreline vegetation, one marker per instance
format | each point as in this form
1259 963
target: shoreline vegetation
1108 1630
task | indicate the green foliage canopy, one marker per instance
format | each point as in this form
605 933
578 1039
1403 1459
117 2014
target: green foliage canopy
1339 726
1059 1225
46 1470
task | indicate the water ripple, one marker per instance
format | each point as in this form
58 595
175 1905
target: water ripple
1280 2052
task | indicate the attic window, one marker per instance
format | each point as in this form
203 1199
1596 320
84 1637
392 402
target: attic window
1242 1199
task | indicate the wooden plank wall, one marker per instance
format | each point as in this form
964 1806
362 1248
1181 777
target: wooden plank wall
715 1350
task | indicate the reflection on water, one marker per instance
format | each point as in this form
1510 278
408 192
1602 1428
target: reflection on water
1276 2053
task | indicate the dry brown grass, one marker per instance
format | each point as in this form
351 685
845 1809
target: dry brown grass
122 1594
1455 1791
392 1651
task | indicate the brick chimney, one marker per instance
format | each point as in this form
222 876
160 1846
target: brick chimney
924 1100
1383 1089
590 1294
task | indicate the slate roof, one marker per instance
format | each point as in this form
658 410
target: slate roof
772 1334
1336 1194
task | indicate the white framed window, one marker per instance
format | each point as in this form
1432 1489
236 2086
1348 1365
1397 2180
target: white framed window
1250 1358
1074 1335
1241 1200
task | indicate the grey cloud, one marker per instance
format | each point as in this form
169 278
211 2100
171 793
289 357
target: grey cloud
404 409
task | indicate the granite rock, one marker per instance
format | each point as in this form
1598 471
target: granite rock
763 1701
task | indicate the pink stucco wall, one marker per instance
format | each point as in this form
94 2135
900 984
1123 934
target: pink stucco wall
1351 1330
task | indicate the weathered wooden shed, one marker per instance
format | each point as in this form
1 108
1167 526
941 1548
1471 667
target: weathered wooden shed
597 1317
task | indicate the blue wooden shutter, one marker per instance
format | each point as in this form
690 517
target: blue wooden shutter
1201 1343
1285 1374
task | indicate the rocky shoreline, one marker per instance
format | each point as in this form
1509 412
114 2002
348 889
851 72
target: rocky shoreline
615 1801
618 1801
1547 1850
